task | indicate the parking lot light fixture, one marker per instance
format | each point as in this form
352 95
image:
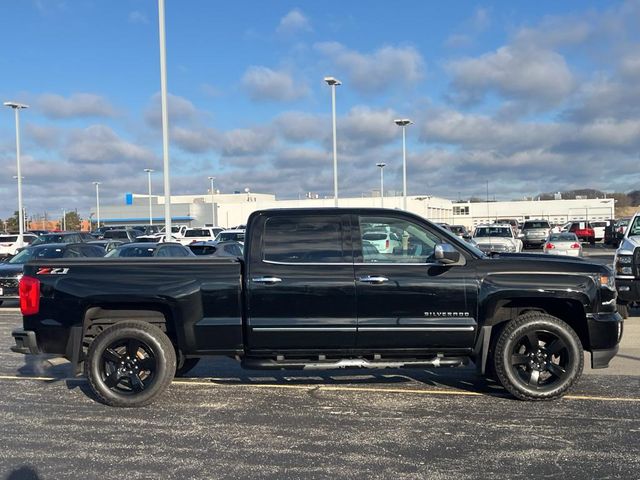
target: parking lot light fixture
213 207
333 83
403 123
381 165
97 184
149 172
16 109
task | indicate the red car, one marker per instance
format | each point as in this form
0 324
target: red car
583 231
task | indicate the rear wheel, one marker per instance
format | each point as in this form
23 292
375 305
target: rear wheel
538 357
130 364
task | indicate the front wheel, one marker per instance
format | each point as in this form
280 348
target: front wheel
623 310
538 357
130 364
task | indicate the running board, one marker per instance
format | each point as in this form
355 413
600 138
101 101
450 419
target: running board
271 364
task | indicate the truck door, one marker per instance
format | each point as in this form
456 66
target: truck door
405 298
300 285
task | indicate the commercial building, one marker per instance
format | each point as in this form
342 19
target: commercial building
228 210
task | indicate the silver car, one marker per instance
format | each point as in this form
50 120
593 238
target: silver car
565 243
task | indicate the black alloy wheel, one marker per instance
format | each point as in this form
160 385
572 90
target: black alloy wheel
538 357
130 363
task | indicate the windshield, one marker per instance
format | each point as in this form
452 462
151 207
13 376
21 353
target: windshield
34 253
198 232
493 232
535 225
49 238
635 227
11 239
227 236
137 251
563 237
121 234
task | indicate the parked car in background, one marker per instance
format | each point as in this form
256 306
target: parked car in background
38 232
177 231
511 221
217 249
583 231
107 244
234 235
11 270
461 231
598 229
619 230
9 243
148 249
384 241
609 232
126 235
199 234
534 233
61 237
497 239
147 229
564 243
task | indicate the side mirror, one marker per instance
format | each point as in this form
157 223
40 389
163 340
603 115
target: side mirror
446 254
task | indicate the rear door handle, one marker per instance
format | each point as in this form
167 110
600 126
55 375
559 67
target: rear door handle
370 279
267 280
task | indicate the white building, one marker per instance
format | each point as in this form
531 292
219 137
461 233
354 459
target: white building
555 211
228 210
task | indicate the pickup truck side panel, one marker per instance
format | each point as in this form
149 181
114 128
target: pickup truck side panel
203 307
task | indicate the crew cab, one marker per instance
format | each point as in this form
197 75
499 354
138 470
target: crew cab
626 263
583 230
311 293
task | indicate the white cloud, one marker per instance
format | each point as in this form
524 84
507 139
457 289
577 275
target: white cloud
265 84
138 17
302 126
528 74
100 144
384 69
78 105
179 108
294 22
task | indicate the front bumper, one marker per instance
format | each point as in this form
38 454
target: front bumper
605 333
628 290
25 342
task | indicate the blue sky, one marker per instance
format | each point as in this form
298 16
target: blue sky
535 96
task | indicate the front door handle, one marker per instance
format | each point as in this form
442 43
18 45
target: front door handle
370 279
267 280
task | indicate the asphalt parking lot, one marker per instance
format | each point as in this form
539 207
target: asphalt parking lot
224 422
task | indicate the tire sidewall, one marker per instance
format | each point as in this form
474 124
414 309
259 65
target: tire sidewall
165 359
520 389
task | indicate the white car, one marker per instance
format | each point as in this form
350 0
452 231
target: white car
200 234
9 243
385 241
177 231
598 229
498 238
564 243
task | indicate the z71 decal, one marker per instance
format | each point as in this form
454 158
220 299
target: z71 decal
52 271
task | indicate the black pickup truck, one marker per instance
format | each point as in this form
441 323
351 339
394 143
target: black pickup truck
323 289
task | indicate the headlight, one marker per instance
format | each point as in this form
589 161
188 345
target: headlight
624 264
607 281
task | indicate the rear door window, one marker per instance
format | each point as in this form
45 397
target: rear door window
300 239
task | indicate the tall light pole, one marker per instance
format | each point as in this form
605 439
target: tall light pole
64 220
213 207
97 184
403 122
16 109
165 122
149 172
381 165
333 83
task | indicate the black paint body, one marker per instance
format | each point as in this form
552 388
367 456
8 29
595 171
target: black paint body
216 306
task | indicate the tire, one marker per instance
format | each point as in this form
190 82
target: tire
538 357
130 364
623 310
185 365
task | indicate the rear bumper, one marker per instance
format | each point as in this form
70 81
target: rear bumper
26 342
605 333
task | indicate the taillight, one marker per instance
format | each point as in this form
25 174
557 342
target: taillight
29 289
575 245
549 246
386 244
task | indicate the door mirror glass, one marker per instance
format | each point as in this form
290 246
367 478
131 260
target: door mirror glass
446 254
